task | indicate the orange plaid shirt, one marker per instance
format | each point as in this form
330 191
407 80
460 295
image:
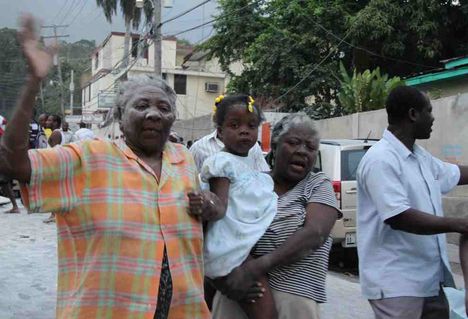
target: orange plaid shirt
113 219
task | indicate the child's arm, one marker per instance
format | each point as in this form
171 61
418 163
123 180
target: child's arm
220 187
464 265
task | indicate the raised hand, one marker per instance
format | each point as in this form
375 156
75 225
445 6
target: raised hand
39 60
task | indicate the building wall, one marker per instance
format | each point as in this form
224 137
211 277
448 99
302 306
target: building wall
445 88
197 101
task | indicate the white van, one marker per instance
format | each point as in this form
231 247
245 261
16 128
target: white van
339 160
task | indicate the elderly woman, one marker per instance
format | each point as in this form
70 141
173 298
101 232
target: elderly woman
294 250
128 246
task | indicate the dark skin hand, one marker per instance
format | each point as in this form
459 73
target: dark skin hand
210 205
14 160
417 222
55 139
319 221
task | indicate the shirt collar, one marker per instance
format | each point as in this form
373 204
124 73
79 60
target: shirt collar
170 152
214 137
402 150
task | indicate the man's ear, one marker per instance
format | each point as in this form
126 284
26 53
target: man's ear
413 114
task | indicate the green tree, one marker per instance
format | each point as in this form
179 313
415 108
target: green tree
12 72
365 91
291 49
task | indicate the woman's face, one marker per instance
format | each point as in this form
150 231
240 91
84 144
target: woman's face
295 153
147 119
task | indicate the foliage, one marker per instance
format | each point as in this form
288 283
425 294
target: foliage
365 91
13 71
420 32
130 12
283 42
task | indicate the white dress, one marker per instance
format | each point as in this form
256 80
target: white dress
250 210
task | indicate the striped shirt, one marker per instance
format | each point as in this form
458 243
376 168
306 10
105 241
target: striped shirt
305 277
210 144
113 220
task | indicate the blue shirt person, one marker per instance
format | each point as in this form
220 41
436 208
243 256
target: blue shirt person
401 227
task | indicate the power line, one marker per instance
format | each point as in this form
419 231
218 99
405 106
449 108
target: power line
184 13
79 12
312 70
60 11
70 9
369 51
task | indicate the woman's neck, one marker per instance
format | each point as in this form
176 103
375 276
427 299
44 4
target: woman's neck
282 185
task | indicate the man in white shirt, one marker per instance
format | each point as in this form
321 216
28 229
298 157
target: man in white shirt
83 133
211 144
401 227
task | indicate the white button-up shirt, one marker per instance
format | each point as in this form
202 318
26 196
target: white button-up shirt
392 179
210 144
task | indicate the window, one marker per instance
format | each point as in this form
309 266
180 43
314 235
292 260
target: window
96 60
89 92
180 83
349 163
164 76
135 47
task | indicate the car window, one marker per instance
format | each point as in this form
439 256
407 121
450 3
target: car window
349 163
318 163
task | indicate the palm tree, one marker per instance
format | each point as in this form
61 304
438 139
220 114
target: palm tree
131 14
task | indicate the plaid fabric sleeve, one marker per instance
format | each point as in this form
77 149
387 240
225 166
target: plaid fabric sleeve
57 179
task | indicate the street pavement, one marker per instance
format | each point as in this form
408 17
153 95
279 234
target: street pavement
28 270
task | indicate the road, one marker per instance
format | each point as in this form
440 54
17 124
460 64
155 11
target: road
28 270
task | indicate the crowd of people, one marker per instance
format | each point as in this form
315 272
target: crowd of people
150 229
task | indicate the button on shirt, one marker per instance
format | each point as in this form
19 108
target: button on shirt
392 179
210 144
114 219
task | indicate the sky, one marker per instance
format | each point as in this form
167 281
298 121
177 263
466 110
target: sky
87 21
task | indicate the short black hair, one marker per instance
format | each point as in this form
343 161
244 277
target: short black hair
400 100
223 107
82 124
57 118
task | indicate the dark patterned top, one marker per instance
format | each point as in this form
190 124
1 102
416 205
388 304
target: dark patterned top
307 276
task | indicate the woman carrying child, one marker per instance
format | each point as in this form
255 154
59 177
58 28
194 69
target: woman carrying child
247 196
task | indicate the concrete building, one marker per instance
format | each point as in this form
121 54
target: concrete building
196 80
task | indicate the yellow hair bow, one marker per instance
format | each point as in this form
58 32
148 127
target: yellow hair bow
251 104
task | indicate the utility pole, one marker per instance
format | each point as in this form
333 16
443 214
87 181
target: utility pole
59 67
72 89
157 36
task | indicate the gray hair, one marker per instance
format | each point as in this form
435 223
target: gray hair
292 120
127 89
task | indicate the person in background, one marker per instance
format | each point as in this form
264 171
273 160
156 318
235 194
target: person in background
54 122
67 135
175 138
43 123
212 144
6 184
83 133
402 251
130 244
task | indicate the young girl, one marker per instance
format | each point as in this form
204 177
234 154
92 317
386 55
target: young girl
247 196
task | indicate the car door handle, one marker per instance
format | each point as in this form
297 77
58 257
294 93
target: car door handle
351 191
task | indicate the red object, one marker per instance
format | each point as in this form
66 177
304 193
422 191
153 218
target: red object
3 123
337 190
266 136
